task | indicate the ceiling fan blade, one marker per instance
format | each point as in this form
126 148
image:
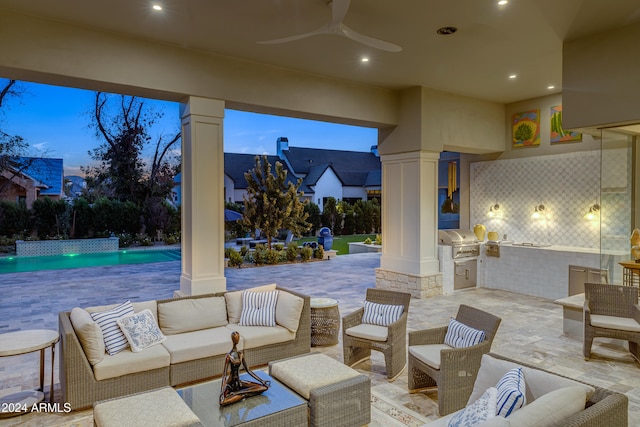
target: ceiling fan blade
322 30
369 41
339 10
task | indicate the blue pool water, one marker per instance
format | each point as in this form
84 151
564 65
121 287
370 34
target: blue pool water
59 262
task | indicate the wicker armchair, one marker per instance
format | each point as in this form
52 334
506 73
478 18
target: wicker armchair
611 311
458 367
394 348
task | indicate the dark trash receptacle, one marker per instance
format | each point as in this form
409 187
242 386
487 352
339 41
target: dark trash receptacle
325 238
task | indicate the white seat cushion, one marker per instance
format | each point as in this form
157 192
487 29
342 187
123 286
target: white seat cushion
162 407
258 336
614 322
127 362
429 354
310 372
368 332
200 344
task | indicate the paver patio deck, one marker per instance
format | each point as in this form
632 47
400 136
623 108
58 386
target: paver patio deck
531 327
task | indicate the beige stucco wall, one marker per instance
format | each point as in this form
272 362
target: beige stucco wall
438 121
600 79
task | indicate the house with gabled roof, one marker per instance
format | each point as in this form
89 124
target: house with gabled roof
343 175
32 178
236 165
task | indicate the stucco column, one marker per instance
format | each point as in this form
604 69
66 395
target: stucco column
202 197
409 259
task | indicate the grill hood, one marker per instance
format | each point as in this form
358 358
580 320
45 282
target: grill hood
456 237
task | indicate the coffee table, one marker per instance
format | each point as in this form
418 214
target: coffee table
23 342
278 406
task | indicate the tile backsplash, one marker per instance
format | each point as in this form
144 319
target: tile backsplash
566 184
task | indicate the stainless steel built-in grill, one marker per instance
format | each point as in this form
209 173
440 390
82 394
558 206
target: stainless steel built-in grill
464 243
465 249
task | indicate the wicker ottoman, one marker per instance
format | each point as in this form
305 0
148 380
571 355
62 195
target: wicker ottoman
337 394
159 408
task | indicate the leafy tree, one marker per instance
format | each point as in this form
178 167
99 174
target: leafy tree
123 124
313 211
273 203
330 214
11 146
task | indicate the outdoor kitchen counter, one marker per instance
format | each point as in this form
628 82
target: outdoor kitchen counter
537 271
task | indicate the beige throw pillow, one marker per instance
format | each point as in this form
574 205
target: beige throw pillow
288 310
89 334
234 301
191 314
550 409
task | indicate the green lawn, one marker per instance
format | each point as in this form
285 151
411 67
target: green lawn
340 243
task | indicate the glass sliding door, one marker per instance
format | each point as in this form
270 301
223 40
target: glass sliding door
617 199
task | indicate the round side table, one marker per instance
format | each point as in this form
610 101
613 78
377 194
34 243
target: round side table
325 321
23 342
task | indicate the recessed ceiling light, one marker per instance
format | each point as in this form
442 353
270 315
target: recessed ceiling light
157 7
513 76
364 59
446 31
551 87
503 2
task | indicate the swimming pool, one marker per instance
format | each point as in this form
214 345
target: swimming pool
59 262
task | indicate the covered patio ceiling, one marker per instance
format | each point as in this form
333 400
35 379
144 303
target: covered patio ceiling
492 42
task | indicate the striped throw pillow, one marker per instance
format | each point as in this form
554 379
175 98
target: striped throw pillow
114 339
511 392
460 335
258 308
381 314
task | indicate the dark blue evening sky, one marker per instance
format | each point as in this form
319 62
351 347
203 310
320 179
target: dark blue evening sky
54 121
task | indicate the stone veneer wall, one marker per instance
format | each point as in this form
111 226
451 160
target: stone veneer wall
62 247
417 286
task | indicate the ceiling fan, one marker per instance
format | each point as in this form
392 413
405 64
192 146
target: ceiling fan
336 27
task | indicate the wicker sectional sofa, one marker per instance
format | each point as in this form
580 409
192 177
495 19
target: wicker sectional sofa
186 355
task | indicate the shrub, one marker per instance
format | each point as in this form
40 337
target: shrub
81 218
259 254
292 252
144 240
271 256
124 240
278 246
49 217
319 252
235 258
243 250
14 218
367 241
305 253
378 239
171 238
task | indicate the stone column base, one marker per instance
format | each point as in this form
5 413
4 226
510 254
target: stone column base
418 286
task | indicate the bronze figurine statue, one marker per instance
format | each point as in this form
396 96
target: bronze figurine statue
234 389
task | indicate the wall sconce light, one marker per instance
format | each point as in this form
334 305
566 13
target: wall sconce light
538 212
594 212
494 211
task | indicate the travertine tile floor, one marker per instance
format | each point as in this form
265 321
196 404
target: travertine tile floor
531 328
